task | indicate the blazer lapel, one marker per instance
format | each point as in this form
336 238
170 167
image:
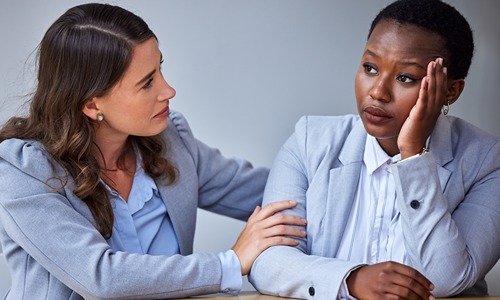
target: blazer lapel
442 142
181 200
344 179
343 184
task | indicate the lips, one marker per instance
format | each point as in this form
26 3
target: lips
162 113
376 114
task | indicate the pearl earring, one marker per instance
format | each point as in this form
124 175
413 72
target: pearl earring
99 117
446 109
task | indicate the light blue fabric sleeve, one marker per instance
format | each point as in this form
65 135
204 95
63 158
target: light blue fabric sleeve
298 272
430 225
231 187
448 200
231 273
83 265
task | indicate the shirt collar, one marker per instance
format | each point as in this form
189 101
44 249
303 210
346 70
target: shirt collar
143 186
374 156
145 180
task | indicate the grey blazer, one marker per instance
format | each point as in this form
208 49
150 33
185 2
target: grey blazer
451 232
54 251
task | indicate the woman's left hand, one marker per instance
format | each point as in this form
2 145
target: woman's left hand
264 229
423 116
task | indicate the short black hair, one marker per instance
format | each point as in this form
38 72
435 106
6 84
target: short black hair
440 18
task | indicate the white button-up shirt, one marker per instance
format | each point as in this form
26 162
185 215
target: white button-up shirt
373 233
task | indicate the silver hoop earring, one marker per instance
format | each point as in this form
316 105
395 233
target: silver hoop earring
446 109
99 117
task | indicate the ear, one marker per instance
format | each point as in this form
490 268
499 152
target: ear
455 88
90 109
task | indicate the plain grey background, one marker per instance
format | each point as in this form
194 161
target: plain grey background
245 71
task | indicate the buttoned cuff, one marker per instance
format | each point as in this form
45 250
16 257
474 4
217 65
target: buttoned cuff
231 282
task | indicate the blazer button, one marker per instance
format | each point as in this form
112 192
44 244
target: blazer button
312 291
415 204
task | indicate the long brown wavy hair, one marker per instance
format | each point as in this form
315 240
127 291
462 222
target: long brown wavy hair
83 55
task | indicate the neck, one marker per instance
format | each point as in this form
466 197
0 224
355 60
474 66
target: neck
109 151
390 146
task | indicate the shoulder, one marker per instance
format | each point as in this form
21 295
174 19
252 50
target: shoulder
466 137
322 139
471 132
178 126
23 161
26 155
178 121
325 124
325 129
178 132
473 150
179 137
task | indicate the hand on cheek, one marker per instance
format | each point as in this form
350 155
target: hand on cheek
423 116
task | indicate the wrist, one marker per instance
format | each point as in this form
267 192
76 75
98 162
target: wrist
407 154
351 282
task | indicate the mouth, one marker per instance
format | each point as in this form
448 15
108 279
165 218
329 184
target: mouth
163 113
376 114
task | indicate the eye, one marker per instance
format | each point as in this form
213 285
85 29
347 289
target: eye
148 84
405 79
370 69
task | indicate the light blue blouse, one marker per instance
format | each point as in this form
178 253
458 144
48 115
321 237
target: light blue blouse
142 225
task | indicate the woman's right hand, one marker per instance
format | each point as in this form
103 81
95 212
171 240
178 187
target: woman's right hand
265 229
424 114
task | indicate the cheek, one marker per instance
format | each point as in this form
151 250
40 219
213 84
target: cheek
357 84
407 100
130 116
360 89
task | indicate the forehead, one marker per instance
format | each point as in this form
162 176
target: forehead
145 55
408 41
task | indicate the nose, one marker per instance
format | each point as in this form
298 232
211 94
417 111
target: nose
167 92
380 89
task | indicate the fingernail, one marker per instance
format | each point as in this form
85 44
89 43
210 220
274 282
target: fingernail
431 287
431 297
445 71
440 61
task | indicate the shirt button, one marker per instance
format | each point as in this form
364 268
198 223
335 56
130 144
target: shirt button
312 291
414 204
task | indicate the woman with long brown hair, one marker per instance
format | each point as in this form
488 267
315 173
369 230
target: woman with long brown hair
98 196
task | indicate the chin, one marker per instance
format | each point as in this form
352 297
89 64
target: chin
381 135
160 128
152 132
379 132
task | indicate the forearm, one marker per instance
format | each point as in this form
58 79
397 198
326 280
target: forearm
434 244
288 272
72 250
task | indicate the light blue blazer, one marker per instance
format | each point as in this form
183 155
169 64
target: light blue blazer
54 251
452 235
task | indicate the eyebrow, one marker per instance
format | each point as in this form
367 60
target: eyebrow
404 63
145 78
413 64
